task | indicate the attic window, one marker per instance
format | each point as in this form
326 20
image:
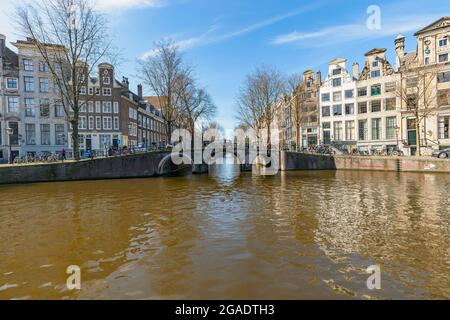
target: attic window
443 42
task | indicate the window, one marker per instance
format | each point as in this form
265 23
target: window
313 118
82 107
30 108
443 57
308 95
29 84
443 127
107 124
362 92
82 123
362 130
98 107
350 108
337 71
326 111
375 90
83 90
338 131
12 84
412 82
14 138
91 91
30 133
389 87
390 104
308 84
59 111
59 134
45 134
375 64
97 91
362 107
375 74
443 77
376 129
375 106
13 104
45 108
43 67
349 130
337 82
337 96
44 85
391 127
411 102
91 106
107 107
106 80
304 108
98 123
116 107
326 132
443 42
337 110
349 94
91 123
116 123
28 65
325 97
107 91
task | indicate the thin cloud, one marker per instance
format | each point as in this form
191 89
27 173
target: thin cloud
114 5
352 32
209 38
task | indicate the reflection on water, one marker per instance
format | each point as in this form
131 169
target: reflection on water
298 235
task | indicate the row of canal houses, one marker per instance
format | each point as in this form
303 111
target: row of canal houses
371 108
33 120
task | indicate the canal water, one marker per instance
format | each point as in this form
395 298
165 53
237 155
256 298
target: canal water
298 235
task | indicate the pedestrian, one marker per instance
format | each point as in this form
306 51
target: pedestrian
63 155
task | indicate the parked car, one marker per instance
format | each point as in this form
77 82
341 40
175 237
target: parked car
443 154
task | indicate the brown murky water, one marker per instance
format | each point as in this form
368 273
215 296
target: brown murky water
299 235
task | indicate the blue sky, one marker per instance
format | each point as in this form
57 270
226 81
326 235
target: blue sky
227 39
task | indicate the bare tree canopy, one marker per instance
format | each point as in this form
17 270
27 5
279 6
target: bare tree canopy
71 37
294 83
161 72
260 99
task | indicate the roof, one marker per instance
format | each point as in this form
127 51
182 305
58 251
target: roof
337 61
31 42
375 51
441 23
154 101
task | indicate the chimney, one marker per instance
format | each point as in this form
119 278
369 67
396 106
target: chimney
139 89
2 45
355 70
399 50
319 78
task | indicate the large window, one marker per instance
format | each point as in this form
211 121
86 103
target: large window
362 92
362 107
349 94
45 134
45 108
444 77
337 82
443 127
337 96
391 127
375 106
443 42
59 111
116 123
338 131
12 84
30 133
91 123
44 85
107 123
59 134
325 111
326 132
28 65
82 123
30 108
337 110
443 57
29 84
13 104
362 130
325 97
375 90
390 104
43 67
98 123
390 87
376 129
350 130
375 74
349 108
107 107
337 71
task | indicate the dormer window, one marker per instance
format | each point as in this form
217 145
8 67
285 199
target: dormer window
337 71
443 42
375 74
375 64
106 80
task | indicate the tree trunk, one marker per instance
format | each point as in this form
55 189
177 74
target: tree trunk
75 139
297 138
418 136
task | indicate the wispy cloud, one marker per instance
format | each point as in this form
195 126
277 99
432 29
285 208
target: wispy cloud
339 34
114 5
210 37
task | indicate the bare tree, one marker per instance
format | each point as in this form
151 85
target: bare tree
417 92
162 71
260 99
293 99
195 104
71 39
